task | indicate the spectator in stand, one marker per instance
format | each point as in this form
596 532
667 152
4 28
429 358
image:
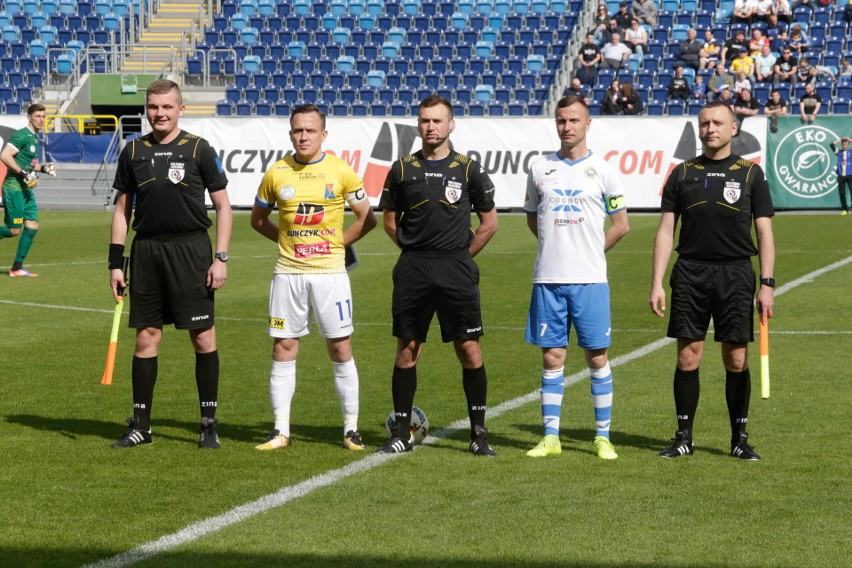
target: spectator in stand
776 106
785 67
743 12
782 11
726 96
733 46
776 31
623 17
764 64
645 11
745 106
606 35
762 10
628 100
719 81
845 68
806 3
805 72
636 38
588 60
600 22
743 64
609 105
809 104
615 53
742 82
757 41
576 89
798 41
679 85
847 16
690 50
699 89
710 51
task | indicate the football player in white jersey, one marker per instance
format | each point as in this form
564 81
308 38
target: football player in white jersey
570 194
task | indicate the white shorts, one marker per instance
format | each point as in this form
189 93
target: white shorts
294 297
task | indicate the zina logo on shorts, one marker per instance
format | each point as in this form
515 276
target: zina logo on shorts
803 162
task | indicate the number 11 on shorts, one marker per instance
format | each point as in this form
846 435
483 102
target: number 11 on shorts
340 309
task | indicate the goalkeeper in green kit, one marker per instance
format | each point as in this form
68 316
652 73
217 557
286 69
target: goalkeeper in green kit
20 156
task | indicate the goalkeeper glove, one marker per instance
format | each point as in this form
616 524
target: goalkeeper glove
29 178
49 169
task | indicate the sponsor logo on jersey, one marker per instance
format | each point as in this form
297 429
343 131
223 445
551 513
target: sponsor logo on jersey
311 232
176 172
453 191
309 214
802 162
590 172
548 172
566 222
566 199
310 176
32 148
329 191
276 323
715 174
309 250
287 193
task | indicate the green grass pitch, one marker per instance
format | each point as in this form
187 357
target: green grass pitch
67 499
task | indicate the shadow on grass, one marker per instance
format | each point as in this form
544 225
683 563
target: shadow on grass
74 428
33 557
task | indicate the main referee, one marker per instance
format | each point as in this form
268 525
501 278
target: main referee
174 271
717 196
427 201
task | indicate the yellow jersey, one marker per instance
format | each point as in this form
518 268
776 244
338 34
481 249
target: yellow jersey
310 200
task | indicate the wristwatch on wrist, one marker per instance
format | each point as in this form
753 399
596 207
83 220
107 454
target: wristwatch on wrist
767 282
222 256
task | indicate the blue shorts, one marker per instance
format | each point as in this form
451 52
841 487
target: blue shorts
554 308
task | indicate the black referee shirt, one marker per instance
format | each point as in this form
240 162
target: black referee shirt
433 201
716 201
168 182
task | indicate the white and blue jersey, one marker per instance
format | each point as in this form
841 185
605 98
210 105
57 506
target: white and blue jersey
571 201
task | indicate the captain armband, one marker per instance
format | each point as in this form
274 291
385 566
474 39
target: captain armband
356 196
615 203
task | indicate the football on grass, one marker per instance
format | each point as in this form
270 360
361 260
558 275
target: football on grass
419 424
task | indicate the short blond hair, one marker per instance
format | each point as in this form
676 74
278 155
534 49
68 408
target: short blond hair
163 87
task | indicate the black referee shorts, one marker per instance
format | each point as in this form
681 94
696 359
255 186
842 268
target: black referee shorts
724 291
447 285
168 282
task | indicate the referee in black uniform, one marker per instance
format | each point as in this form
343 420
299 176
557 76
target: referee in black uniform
174 270
427 201
716 196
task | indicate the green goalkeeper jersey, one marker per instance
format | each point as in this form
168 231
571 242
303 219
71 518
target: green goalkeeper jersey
25 141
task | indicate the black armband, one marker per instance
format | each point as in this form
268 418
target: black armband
116 256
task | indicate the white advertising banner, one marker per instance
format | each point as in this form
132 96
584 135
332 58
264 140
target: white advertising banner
643 149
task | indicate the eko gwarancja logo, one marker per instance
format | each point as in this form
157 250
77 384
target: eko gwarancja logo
803 162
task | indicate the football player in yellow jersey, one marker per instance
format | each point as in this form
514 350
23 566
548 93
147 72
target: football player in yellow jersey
309 188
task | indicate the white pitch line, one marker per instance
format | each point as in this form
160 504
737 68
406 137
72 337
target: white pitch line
286 494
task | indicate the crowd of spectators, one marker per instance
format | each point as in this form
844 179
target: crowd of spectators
775 58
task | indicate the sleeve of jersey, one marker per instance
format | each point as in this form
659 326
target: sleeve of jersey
353 187
531 199
212 171
266 197
613 193
388 198
761 198
669 201
122 180
481 189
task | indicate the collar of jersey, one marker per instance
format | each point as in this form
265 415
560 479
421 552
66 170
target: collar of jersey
309 163
575 162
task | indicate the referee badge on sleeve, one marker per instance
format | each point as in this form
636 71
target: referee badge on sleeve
176 172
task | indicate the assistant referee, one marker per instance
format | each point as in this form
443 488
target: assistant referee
427 201
716 196
173 267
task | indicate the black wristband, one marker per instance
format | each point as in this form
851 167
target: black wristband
116 256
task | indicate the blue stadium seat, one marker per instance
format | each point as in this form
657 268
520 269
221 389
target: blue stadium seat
224 108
